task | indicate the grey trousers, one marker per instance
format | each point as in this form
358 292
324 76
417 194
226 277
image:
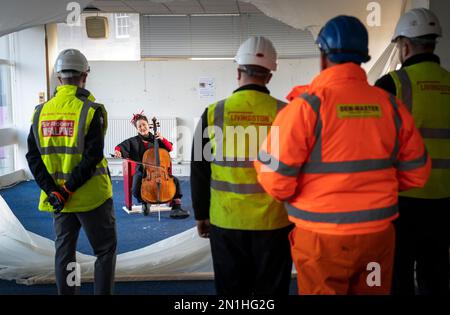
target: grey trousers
100 228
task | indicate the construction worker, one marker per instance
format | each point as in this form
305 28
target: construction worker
248 229
423 225
345 148
65 155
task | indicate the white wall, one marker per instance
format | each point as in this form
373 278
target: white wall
442 10
170 88
30 80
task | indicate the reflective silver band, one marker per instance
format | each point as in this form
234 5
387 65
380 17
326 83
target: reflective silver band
277 166
66 176
314 102
440 163
317 166
413 164
242 164
35 126
237 188
346 166
398 126
406 88
60 150
435 133
359 216
280 105
81 126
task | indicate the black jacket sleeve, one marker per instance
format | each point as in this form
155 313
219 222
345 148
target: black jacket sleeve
37 167
125 148
387 83
200 172
92 155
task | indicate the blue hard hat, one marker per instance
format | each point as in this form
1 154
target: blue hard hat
344 39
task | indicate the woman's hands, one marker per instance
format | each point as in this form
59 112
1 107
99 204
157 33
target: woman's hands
159 136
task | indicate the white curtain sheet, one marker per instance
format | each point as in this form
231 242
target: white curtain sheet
21 14
29 258
313 14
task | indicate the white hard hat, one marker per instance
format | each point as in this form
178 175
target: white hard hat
71 60
259 51
417 22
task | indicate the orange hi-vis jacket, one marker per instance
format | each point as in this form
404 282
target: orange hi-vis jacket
339 154
296 92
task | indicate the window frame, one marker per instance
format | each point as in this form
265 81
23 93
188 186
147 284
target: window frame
124 19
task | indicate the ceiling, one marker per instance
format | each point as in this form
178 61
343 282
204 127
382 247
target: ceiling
164 7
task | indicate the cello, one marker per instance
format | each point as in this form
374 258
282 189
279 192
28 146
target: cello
157 184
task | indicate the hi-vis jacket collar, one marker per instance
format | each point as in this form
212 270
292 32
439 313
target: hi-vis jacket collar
342 72
67 90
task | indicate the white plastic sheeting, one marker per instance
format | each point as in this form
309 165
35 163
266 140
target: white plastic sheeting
380 18
20 14
29 258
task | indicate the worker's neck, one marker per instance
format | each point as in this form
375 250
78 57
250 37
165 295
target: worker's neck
242 82
416 52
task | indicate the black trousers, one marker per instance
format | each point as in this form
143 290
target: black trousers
422 230
251 262
137 183
100 228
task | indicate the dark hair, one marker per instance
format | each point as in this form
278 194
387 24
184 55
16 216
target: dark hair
255 71
427 42
73 79
137 117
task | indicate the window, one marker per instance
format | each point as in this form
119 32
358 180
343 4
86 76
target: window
6 144
5 83
6 159
219 36
122 25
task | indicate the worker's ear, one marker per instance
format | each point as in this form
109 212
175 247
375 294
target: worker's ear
239 74
407 49
268 78
83 79
59 79
323 61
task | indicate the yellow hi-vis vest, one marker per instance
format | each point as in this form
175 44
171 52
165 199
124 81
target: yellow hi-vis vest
60 127
425 89
236 128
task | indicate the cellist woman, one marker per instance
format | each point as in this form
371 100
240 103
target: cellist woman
134 148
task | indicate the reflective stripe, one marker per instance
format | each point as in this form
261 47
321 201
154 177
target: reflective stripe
359 216
81 126
413 164
346 166
316 166
66 176
237 188
60 150
398 126
314 102
37 114
277 166
280 105
243 164
406 88
82 122
440 163
435 133
219 113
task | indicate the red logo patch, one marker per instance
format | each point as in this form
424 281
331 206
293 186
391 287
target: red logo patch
57 128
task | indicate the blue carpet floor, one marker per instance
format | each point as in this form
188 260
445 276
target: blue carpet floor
134 231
